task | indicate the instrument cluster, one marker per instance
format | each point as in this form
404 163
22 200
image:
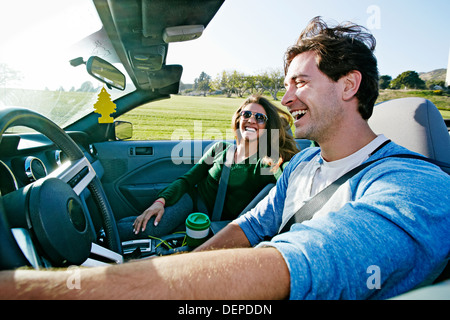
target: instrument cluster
19 171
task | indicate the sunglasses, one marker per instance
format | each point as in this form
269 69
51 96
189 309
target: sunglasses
259 117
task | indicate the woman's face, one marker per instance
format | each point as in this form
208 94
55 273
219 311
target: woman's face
251 127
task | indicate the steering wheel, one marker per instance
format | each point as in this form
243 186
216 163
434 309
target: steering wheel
51 208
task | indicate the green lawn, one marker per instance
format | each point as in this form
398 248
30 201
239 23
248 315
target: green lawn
442 101
445 114
180 116
61 107
185 117
176 116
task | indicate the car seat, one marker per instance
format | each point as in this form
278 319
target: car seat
414 123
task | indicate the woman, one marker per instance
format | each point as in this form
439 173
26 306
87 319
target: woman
262 145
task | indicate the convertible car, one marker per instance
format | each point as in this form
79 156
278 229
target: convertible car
65 176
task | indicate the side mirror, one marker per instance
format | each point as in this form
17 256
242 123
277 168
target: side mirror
123 130
105 72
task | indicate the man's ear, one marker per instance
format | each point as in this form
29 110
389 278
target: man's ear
352 81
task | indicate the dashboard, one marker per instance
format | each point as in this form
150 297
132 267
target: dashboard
57 220
28 157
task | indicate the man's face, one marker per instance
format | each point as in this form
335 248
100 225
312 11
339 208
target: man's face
312 98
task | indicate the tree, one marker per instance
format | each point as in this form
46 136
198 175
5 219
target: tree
238 83
203 83
432 84
186 86
230 82
86 86
385 81
252 84
8 74
272 81
409 80
222 82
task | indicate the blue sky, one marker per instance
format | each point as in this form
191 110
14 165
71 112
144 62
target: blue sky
252 35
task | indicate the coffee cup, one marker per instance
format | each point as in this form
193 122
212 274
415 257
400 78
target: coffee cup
197 229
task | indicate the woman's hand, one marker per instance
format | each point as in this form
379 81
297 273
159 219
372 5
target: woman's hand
156 209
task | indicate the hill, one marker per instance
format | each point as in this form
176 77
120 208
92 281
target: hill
435 75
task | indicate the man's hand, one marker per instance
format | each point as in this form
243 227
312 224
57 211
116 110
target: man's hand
251 274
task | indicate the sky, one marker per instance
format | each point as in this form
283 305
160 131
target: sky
249 36
252 35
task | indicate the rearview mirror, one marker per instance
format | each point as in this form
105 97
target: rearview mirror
106 73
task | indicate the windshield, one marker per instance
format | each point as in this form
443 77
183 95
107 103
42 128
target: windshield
38 39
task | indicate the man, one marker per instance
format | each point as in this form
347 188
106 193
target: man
382 233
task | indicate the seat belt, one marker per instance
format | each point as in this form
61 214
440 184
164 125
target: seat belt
307 211
223 183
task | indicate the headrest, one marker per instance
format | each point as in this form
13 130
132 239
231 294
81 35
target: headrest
414 123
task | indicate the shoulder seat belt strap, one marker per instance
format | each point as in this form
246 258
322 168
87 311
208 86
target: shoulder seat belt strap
307 211
223 183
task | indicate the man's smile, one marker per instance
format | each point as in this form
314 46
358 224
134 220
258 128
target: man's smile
297 114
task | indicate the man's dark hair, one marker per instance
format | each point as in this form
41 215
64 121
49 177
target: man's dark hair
340 50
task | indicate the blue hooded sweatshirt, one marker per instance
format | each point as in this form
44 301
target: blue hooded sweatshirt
384 232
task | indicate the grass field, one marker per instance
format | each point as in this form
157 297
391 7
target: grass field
440 101
180 117
61 107
197 117
186 117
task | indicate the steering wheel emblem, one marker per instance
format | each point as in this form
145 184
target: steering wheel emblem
76 214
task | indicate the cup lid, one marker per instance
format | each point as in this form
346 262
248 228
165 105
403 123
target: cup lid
197 221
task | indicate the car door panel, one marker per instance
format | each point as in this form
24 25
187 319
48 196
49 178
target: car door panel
135 171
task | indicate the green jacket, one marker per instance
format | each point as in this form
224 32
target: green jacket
245 181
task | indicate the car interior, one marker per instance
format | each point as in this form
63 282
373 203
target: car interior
107 178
